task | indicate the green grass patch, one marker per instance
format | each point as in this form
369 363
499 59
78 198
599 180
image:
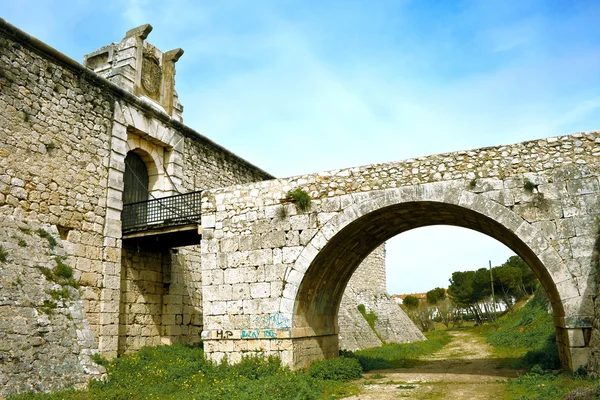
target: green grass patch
538 385
48 307
45 235
526 336
181 372
337 369
370 317
61 273
399 355
3 254
61 294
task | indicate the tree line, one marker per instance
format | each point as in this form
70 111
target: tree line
470 293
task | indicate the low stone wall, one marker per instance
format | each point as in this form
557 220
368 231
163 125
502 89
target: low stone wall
45 339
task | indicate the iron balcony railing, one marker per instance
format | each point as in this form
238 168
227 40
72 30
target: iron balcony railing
175 210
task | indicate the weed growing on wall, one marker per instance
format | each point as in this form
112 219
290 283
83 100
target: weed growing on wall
3 254
300 198
60 294
48 307
61 273
43 234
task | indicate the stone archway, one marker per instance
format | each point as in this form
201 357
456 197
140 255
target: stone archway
317 280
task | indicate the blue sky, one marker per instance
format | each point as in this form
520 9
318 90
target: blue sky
303 86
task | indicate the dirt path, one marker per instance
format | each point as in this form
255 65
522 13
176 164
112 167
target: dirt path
461 370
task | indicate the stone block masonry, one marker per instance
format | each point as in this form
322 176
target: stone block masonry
540 198
64 134
45 339
367 286
65 131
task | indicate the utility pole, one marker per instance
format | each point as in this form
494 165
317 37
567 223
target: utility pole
492 285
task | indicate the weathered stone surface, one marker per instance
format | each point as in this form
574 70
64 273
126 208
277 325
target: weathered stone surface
516 194
368 287
45 339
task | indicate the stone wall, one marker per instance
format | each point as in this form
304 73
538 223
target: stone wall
54 140
64 134
45 338
367 286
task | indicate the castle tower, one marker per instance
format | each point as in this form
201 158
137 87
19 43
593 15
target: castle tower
141 69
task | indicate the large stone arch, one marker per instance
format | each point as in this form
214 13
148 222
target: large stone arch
316 281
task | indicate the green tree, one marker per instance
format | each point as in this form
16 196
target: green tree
529 281
468 288
444 310
436 295
508 283
411 302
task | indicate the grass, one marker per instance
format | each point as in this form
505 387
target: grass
399 355
301 198
61 273
182 372
525 335
43 234
3 254
48 307
370 317
540 385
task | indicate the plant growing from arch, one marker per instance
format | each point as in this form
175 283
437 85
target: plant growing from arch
300 198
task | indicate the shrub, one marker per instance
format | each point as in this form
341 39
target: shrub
301 198
336 369
529 186
411 302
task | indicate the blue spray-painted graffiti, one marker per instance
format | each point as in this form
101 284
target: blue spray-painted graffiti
273 321
258 334
250 334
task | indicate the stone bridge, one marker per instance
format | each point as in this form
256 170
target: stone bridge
273 276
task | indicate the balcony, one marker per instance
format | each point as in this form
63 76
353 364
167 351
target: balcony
164 222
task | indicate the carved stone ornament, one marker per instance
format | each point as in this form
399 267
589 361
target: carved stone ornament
151 74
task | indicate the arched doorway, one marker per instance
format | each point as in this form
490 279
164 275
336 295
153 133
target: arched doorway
135 179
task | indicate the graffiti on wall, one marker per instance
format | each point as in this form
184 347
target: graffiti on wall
266 326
